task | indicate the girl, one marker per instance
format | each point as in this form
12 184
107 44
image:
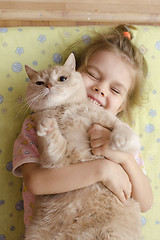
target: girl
113 71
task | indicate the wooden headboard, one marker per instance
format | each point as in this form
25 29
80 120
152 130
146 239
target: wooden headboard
78 12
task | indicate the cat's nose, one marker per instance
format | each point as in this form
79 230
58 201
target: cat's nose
49 85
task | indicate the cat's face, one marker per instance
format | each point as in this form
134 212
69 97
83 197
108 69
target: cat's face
56 86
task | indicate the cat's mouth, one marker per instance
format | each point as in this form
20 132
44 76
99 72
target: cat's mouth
95 101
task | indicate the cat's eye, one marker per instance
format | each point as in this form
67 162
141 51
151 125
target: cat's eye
62 78
40 83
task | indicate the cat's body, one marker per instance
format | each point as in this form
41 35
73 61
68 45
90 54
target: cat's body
63 119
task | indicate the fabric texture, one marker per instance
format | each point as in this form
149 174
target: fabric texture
41 47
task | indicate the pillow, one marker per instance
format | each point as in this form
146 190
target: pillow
41 47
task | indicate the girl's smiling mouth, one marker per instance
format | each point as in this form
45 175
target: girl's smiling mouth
95 101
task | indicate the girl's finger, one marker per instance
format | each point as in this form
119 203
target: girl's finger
96 142
127 192
120 195
95 135
96 128
99 142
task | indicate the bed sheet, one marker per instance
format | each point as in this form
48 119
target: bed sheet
42 47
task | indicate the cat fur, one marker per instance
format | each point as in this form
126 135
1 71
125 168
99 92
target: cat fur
63 116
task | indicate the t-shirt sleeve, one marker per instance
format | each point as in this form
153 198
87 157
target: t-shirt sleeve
140 161
25 148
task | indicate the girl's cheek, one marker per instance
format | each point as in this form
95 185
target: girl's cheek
112 106
87 82
84 79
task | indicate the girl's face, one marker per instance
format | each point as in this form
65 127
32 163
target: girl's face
107 80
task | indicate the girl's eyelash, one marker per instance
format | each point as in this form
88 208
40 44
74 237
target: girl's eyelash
92 75
115 90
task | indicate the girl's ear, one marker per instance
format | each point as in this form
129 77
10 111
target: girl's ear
30 72
71 62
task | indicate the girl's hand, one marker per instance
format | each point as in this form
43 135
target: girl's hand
141 187
99 139
119 157
117 180
124 177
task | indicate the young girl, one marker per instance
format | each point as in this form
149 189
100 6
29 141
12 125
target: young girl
113 71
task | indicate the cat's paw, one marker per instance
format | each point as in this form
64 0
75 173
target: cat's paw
46 126
118 141
123 138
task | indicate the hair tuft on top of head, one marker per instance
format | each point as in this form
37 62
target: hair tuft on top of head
125 31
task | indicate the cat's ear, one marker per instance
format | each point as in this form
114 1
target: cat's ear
30 72
71 62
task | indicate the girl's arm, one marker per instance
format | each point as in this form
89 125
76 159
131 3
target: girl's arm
75 176
57 180
141 188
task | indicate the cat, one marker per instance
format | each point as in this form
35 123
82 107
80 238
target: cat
63 115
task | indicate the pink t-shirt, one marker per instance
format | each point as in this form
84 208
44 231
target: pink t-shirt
26 151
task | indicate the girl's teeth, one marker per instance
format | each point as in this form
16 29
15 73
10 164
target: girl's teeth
94 101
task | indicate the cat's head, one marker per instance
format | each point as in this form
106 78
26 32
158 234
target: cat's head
55 86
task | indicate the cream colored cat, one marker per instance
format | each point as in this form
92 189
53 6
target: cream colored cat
63 117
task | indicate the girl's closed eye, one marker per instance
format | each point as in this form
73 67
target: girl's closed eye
115 90
93 74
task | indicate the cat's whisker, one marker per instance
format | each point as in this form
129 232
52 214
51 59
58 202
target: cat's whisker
30 102
34 95
35 99
22 110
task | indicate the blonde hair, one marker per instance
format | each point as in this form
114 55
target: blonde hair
118 42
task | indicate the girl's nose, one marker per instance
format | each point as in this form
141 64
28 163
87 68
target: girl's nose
98 90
